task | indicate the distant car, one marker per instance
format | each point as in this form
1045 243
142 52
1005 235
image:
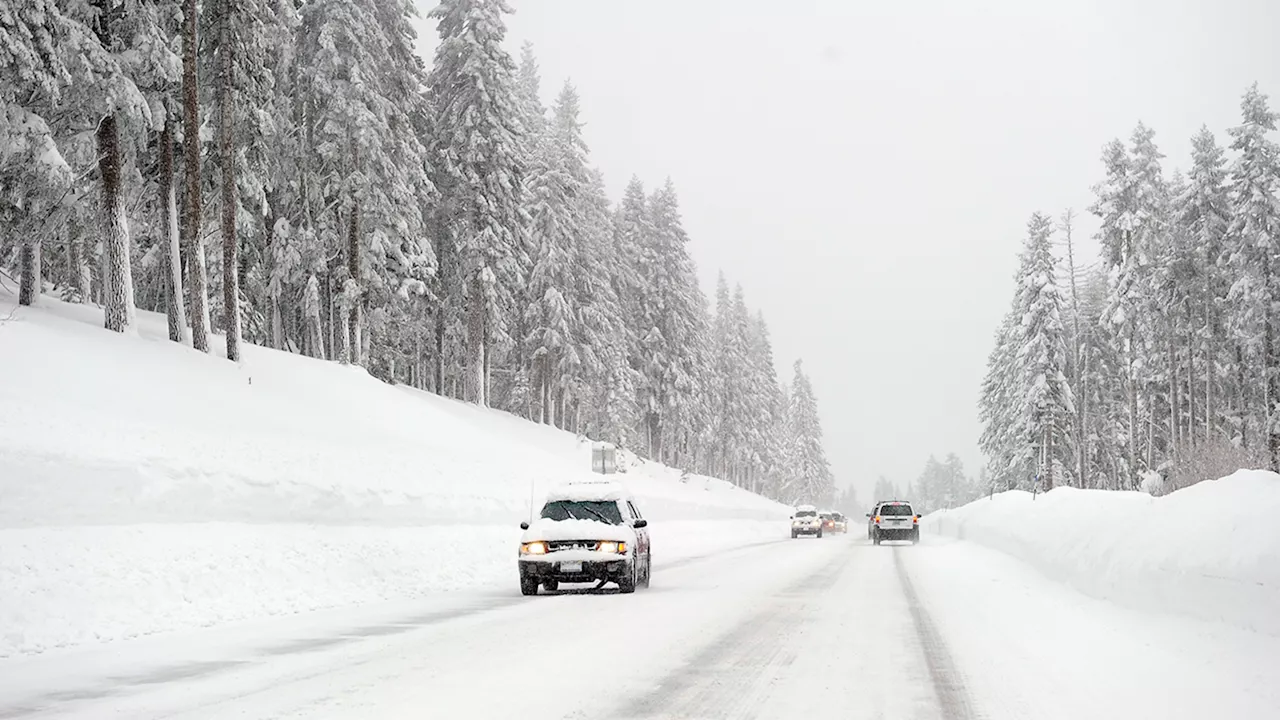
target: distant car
828 521
840 523
806 522
586 532
894 520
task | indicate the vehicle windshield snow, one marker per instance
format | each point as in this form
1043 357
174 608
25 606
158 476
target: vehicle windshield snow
599 510
806 513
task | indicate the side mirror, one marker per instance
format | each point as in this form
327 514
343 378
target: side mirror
793 517
919 516
640 523
868 514
524 526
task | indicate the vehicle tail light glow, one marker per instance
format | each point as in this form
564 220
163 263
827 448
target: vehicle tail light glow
877 519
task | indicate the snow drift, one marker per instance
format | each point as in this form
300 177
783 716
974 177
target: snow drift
146 487
1210 551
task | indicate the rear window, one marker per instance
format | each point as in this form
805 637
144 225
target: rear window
806 513
828 516
600 510
896 510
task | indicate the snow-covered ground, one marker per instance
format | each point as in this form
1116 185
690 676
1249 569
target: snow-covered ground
146 487
1210 551
181 537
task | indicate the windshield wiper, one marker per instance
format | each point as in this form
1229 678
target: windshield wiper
598 514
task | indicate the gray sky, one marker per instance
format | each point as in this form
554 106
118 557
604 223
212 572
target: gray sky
866 170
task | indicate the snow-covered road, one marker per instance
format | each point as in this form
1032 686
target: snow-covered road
831 628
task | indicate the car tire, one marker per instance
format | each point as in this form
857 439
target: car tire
875 538
794 534
528 585
648 570
819 534
627 583
551 585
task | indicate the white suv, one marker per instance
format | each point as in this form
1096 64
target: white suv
894 520
806 522
586 532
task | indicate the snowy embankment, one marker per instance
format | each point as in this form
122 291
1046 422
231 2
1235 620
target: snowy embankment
145 487
1210 551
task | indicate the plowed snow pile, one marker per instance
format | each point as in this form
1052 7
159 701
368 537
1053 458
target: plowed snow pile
1210 551
147 487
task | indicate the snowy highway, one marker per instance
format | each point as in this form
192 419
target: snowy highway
832 627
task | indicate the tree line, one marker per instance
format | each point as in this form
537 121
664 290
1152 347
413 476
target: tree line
1159 365
435 224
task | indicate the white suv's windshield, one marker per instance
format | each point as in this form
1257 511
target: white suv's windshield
601 510
896 510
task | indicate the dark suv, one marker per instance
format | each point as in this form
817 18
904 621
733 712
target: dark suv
893 520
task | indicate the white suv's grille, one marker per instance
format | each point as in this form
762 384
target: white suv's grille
557 545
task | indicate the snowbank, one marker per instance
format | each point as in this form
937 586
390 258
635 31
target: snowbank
1210 551
148 487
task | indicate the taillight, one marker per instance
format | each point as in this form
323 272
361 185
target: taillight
915 521
877 519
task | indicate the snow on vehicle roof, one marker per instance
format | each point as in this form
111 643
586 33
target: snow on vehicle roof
807 507
598 491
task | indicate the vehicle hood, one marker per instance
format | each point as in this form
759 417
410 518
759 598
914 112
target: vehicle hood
544 529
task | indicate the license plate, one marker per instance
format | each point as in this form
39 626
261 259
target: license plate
570 567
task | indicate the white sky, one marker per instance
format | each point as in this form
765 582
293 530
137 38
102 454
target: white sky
866 170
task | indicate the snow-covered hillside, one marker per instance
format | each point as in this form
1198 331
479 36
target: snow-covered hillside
1210 551
148 487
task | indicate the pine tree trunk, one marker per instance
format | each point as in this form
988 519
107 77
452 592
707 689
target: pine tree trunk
1242 397
1174 395
119 313
276 333
1189 431
197 271
1271 370
438 360
226 150
176 306
313 334
342 329
356 315
29 284
474 384
80 277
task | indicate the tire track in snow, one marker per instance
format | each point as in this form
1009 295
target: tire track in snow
730 677
948 683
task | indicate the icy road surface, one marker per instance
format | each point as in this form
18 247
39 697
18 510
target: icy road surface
805 628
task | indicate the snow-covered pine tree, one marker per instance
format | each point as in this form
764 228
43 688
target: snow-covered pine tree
766 401
127 32
1254 241
478 166
1204 215
1045 407
675 311
997 406
35 44
811 473
367 173
1115 207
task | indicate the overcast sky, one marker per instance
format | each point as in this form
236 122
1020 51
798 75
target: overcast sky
866 170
